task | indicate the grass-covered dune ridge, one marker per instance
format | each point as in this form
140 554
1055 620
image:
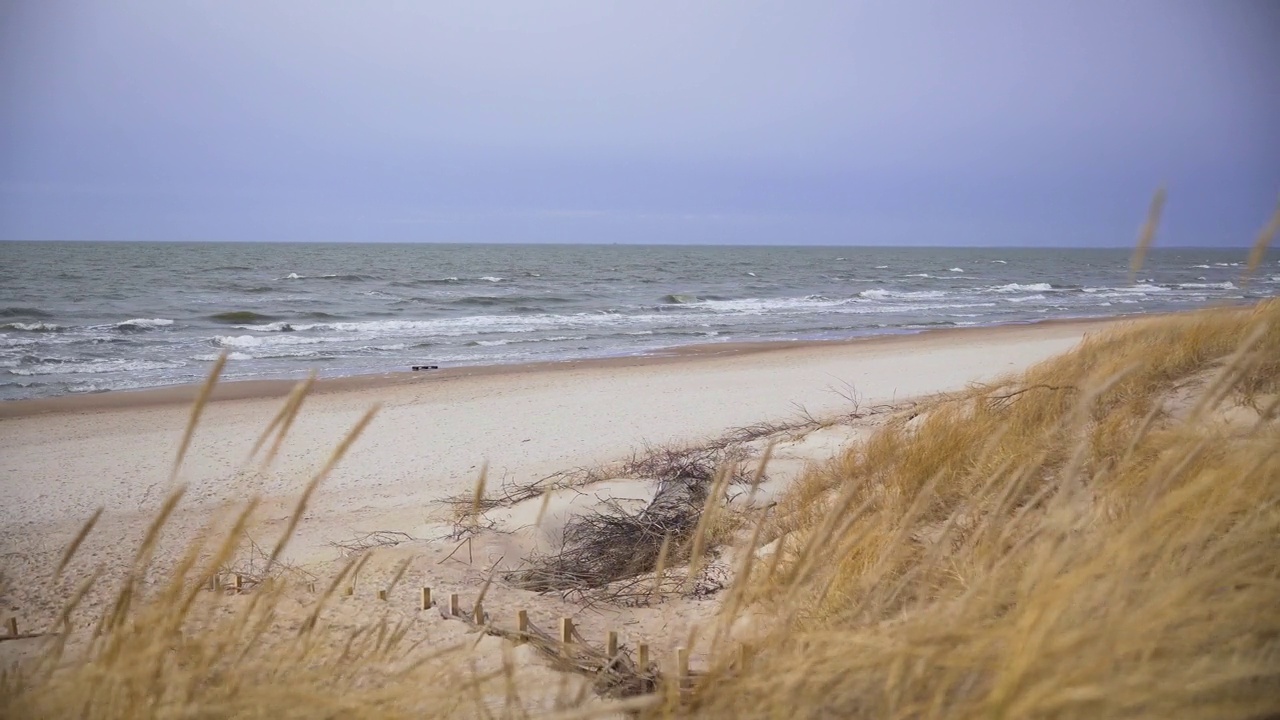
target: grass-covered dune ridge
1098 537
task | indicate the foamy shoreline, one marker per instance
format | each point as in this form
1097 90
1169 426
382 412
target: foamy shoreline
273 388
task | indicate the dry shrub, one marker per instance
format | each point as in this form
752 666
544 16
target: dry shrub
1081 549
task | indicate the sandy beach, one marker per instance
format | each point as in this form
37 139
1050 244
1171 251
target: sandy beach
67 456
60 459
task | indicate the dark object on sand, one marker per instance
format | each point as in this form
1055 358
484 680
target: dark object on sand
425 367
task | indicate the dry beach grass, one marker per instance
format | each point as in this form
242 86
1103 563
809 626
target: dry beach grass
1097 536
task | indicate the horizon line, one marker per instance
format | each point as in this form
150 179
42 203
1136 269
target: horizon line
1156 247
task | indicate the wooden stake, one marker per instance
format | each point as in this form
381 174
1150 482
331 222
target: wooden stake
426 598
453 605
566 634
477 614
682 664
642 657
239 584
13 626
382 595
611 645
350 590
311 588
522 625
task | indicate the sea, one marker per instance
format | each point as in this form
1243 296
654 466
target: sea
99 317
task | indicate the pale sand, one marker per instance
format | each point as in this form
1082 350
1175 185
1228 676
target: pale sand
432 434
60 460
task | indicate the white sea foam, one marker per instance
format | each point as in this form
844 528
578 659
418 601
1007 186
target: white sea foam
959 270
1002 262
878 294
1208 286
1018 287
6 341
1142 289
490 278
1203 267
1028 298
230 356
32 327
95 367
919 275
882 267
255 341
144 323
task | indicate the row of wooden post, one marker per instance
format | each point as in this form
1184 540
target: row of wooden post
566 631
522 626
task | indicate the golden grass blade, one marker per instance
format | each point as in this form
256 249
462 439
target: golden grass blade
660 566
305 498
142 559
1147 235
287 412
707 519
478 498
197 407
1260 245
401 569
287 423
542 509
75 543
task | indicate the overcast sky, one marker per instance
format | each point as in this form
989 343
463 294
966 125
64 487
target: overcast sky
949 123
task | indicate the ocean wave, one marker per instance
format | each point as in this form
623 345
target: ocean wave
279 326
1201 267
956 269
240 316
94 367
1001 262
902 294
33 327
1208 286
1028 298
881 267
512 341
11 342
254 341
1018 287
492 300
340 277
680 299
490 278
1142 289
24 312
919 275
214 356
142 324
425 281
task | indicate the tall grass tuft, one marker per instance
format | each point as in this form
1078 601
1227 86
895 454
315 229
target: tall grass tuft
1097 537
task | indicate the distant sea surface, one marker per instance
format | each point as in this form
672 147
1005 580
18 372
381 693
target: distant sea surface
93 317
